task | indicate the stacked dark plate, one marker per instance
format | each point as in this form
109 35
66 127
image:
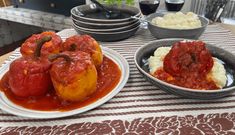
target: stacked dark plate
91 20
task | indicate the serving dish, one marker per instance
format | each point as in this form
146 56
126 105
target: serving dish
12 108
225 57
108 36
159 32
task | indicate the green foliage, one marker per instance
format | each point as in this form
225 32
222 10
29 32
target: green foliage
130 2
117 2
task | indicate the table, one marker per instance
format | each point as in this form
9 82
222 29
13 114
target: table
141 108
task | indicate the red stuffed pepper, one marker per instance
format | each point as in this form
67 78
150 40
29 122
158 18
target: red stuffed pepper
29 75
86 44
51 47
74 76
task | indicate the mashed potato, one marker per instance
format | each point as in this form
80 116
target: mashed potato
156 61
178 20
217 74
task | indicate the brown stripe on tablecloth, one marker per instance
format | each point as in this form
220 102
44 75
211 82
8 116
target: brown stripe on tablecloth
137 80
135 72
141 95
140 90
152 105
127 103
123 97
145 111
135 77
6 114
152 99
137 85
164 104
155 99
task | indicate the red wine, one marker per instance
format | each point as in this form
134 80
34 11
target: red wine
147 6
174 5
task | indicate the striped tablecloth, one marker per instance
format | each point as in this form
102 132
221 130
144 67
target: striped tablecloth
141 108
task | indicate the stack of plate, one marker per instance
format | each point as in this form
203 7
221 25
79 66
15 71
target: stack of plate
91 20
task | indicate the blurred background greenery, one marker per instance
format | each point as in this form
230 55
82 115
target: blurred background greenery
118 2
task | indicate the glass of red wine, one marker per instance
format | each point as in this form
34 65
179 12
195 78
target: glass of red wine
174 5
148 7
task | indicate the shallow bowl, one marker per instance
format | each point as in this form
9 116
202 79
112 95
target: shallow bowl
91 13
95 25
227 58
160 32
109 36
119 29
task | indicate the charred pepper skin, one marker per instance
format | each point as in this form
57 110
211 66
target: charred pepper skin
52 47
74 76
29 75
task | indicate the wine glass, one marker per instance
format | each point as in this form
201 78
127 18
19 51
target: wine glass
174 5
148 7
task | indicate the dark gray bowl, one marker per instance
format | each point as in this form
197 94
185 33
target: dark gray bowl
144 52
93 15
159 32
119 29
102 25
109 36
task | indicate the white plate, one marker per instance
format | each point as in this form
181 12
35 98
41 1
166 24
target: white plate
12 108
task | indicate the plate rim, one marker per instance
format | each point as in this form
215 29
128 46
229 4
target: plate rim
24 112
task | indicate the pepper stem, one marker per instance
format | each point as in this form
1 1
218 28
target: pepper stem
56 56
73 47
40 43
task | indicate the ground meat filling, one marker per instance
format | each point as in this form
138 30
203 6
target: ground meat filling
188 58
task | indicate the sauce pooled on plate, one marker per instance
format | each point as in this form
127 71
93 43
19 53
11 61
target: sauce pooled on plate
109 75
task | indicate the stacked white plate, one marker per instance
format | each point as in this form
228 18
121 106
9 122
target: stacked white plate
88 19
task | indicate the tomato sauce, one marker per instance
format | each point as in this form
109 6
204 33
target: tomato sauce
109 75
194 81
187 65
